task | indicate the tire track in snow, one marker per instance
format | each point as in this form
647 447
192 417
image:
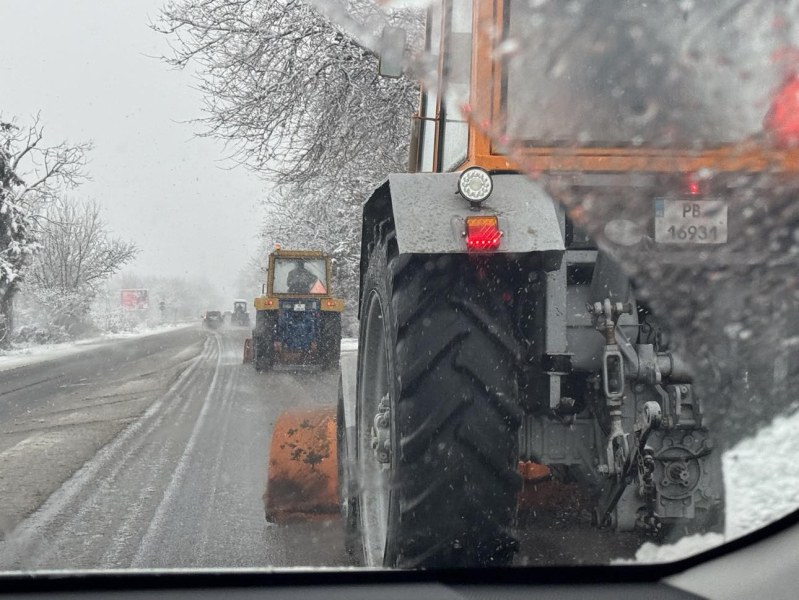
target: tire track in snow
184 489
145 547
222 437
37 539
128 535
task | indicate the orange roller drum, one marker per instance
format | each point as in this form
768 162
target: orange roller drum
302 482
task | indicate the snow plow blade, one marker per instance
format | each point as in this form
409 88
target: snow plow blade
247 351
302 481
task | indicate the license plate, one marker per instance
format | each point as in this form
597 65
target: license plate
690 221
299 308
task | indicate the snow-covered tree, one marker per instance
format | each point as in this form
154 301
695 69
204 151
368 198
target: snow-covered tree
293 95
300 101
77 252
76 255
31 175
16 243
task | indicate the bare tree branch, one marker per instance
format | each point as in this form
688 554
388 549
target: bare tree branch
292 95
299 100
77 253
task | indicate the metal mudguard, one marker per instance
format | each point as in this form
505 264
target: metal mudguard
429 216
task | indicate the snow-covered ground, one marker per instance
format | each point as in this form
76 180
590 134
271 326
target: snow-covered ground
761 473
33 354
761 477
28 355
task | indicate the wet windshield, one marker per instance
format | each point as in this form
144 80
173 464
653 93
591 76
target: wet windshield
430 284
628 73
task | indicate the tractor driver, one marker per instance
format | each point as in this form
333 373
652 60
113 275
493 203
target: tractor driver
300 280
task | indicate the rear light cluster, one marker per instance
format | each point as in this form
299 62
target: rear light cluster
782 119
697 184
482 233
330 303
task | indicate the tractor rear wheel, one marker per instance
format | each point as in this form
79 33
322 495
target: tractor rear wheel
262 340
330 342
437 411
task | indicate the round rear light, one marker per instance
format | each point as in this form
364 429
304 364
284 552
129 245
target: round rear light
475 185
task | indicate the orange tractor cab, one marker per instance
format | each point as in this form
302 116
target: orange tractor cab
500 343
297 320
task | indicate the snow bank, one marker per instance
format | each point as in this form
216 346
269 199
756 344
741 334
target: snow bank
34 354
145 331
349 344
761 476
687 546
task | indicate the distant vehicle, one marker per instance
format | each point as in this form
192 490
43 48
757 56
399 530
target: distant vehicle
297 320
240 316
212 319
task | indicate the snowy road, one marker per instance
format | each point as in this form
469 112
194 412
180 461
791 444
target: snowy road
162 464
152 452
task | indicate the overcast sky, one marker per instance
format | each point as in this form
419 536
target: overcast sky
87 66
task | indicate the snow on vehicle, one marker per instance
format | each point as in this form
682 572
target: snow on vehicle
499 343
297 321
212 319
240 316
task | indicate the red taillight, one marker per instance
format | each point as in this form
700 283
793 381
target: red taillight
695 185
783 117
482 233
330 303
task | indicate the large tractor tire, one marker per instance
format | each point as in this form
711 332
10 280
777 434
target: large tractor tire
262 340
439 360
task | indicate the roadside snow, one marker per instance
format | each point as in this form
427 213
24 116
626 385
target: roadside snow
349 344
29 355
761 476
687 546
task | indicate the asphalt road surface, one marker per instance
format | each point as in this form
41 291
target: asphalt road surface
150 452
